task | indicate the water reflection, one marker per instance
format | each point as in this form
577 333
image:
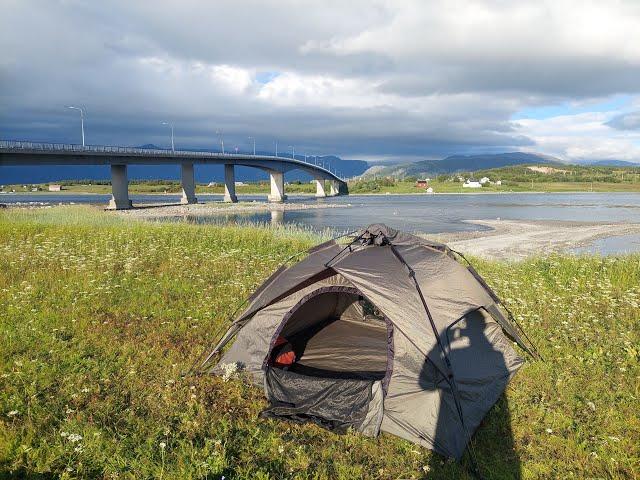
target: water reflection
277 217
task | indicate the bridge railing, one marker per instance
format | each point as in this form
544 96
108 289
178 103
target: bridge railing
68 147
101 149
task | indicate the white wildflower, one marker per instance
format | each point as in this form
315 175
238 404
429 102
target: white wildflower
74 437
280 449
229 370
13 413
548 430
163 445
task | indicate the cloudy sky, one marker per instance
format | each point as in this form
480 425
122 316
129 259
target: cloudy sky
390 79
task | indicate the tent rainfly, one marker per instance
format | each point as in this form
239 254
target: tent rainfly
388 333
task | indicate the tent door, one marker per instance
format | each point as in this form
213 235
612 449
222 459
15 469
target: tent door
333 403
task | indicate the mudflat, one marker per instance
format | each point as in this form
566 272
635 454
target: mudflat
519 239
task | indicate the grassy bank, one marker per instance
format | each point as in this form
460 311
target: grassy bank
99 316
409 187
160 187
380 186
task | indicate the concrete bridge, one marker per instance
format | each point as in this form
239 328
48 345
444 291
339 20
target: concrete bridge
31 153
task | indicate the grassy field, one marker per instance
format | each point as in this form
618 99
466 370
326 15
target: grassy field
100 316
355 187
408 187
159 187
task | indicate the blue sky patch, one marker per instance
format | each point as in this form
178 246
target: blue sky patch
266 77
614 103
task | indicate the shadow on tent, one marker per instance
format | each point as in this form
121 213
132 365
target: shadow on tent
492 445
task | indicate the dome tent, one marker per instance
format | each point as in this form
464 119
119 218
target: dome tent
390 333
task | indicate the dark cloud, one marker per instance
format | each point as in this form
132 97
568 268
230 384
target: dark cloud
350 78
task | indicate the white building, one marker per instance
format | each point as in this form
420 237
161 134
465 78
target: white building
484 180
472 184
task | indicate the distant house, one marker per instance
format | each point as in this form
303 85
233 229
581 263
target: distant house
484 180
422 183
472 184
499 182
55 188
239 184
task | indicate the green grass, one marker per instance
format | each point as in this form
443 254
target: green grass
381 186
99 316
159 187
409 187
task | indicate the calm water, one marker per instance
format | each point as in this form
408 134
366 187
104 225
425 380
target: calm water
419 213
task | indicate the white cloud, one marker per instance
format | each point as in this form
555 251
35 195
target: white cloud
584 136
372 78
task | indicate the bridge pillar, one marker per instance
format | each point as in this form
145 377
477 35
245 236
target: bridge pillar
320 191
334 189
188 184
277 187
119 188
230 184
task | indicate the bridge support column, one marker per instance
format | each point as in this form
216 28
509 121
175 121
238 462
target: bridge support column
188 184
277 187
230 184
334 189
320 192
119 188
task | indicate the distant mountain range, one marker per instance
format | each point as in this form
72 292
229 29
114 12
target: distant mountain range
204 173
346 168
613 163
461 163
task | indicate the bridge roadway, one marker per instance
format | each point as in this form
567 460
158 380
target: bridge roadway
31 153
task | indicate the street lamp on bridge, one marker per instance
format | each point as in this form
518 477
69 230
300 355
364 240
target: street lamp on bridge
81 120
170 124
254 145
293 152
219 133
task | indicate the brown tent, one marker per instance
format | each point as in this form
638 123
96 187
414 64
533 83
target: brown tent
390 332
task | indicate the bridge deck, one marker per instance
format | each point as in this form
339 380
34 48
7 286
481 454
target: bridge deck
32 153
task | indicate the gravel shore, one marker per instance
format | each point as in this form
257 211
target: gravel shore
518 239
219 208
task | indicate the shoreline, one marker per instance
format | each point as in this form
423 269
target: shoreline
309 194
151 211
514 240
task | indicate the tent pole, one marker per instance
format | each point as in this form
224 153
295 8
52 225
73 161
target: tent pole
499 301
215 350
450 380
